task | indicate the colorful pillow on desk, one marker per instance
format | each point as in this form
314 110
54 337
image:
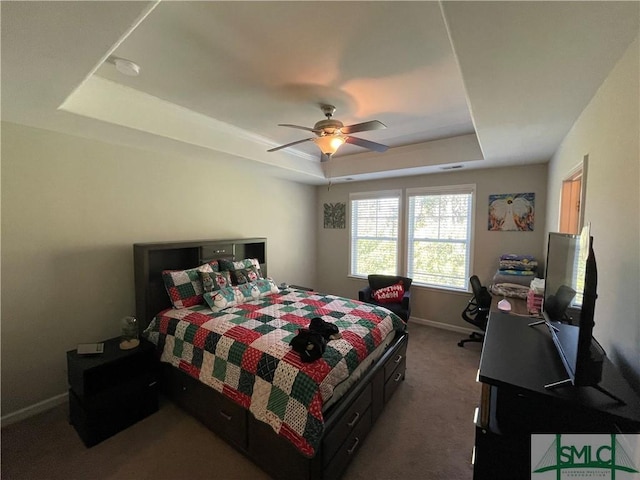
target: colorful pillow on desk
391 294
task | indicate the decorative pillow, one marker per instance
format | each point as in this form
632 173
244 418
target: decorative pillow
238 294
390 294
215 280
245 275
185 287
240 264
242 271
225 297
258 288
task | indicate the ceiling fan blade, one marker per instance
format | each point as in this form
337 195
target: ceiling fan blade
363 127
289 145
361 142
308 129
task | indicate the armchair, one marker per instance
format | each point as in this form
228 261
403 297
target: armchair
376 282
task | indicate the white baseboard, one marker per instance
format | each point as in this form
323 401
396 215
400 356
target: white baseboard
443 326
32 410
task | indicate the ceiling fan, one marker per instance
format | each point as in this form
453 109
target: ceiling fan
331 134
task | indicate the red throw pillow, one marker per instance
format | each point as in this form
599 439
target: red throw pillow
390 294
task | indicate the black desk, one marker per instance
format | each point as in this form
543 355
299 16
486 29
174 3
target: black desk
517 362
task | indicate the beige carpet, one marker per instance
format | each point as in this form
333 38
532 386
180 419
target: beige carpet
426 432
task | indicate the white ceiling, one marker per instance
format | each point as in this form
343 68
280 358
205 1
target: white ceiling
477 84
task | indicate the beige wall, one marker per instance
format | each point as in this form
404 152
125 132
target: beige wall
427 303
71 210
608 132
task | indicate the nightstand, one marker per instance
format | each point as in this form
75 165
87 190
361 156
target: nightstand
300 287
110 391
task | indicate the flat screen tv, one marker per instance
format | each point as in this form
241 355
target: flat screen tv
571 280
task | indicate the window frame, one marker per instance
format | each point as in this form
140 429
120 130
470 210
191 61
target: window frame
373 195
470 240
403 195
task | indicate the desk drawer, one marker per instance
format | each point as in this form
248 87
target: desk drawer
335 438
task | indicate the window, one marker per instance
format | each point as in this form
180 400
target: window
436 248
374 233
439 231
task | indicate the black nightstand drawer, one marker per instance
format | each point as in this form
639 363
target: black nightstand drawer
111 391
90 375
97 421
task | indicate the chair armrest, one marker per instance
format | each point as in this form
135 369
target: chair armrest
364 295
406 299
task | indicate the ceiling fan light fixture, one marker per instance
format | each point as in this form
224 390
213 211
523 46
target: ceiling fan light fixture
332 133
329 144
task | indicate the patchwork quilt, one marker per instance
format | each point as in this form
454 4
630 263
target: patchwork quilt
243 352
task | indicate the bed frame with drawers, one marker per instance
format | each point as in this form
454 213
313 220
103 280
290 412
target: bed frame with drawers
347 422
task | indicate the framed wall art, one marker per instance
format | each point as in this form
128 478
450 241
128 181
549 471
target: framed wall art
512 212
335 215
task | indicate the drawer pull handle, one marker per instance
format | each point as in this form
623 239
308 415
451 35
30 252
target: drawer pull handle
398 377
353 448
354 420
226 416
398 359
153 384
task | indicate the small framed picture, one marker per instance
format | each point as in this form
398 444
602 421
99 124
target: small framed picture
335 215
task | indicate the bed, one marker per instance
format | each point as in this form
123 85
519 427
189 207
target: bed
230 364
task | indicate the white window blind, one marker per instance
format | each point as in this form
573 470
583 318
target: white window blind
439 236
374 233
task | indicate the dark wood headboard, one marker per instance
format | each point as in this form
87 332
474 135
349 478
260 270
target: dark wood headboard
150 259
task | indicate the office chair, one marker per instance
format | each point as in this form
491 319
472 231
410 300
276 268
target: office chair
477 311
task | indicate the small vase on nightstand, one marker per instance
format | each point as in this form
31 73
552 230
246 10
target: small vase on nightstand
129 333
